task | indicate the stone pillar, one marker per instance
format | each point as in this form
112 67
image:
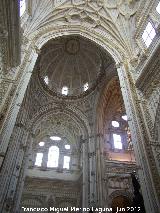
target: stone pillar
45 159
92 171
61 160
21 179
85 172
100 171
11 115
140 137
11 167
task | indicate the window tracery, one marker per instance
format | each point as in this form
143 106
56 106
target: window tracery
120 133
148 34
53 152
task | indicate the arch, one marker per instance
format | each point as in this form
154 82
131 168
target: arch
77 116
117 193
46 34
104 99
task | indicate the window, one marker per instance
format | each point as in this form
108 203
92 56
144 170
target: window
66 162
53 156
55 138
148 34
86 86
39 159
41 143
115 124
46 79
67 146
124 117
22 7
117 141
158 8
65 90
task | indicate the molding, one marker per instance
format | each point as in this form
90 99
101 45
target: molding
150 75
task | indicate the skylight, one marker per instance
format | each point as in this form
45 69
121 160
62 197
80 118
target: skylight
67 146
148 34
115 124
124 117
46 79
65 90
41 143
158 8
39 159
86 86
22 6
55 138
66 162
117 141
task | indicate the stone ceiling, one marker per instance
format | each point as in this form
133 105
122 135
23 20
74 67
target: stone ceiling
72 61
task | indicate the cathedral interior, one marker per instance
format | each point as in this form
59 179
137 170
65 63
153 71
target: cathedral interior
80 106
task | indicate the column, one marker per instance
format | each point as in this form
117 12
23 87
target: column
22 175
140 136
100 171
11 115
92 171
11 168
85 172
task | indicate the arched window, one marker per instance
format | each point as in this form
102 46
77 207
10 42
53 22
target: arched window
86 86
67 146
66 162
46 80
115 124
39 159
117 141
65 90
22 6
124 117
53 156
41 143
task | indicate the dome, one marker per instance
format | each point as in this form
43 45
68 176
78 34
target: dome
71 65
